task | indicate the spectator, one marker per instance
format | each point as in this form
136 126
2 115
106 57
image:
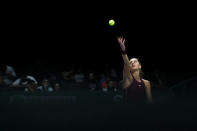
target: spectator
57 87
8 80
104 86
113 74
31 86
53 79
66 79
10 71
45 86
92 83
112 85
79 79
3 86
103 83
8 74
23 81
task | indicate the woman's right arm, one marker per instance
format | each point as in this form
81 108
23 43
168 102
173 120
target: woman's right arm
121 41
126 71
126 80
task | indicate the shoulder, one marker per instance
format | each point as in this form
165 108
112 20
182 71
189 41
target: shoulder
147 83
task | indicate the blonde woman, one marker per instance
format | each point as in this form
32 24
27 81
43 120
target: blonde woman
137 89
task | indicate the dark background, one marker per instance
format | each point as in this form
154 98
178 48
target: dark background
53 36
42 36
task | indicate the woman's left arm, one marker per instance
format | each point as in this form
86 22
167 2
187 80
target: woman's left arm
148 91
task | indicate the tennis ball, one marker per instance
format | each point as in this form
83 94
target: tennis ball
111 22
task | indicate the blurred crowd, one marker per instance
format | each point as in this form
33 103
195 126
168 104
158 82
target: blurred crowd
68 79
71 78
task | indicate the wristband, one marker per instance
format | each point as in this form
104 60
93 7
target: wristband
123 52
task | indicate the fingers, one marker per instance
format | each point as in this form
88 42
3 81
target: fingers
121 40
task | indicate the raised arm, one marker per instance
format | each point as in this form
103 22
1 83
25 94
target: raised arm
127 78
121 41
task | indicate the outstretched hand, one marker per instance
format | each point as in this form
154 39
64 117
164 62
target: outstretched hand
121 41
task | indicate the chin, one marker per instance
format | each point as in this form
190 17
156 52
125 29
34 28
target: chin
134 69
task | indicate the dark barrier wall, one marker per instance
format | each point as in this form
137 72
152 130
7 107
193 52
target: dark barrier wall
84 110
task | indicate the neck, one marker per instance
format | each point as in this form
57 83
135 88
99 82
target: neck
136 74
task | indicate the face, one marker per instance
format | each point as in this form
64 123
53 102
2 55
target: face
135 64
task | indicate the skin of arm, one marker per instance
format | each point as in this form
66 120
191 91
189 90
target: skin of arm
127 78
148 91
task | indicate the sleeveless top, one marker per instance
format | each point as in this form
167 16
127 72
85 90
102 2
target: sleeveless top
135 93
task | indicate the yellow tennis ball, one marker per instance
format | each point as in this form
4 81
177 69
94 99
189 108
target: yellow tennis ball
111 22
